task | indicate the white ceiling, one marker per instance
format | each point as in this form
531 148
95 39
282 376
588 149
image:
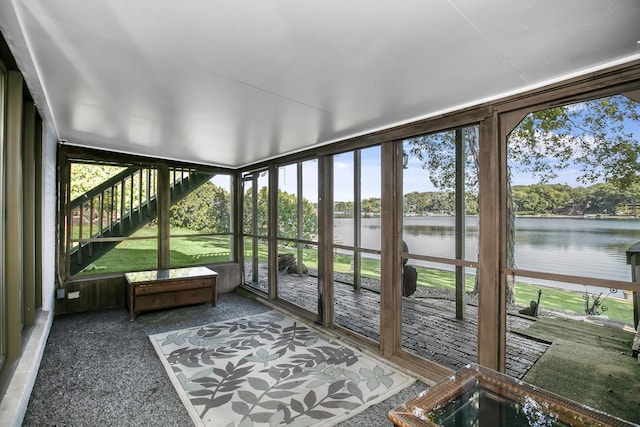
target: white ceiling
233 82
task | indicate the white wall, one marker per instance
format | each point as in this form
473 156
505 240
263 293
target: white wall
13 405
48 218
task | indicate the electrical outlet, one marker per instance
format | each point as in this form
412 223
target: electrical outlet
73 295
60 293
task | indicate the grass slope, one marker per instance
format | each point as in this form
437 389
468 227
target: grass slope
603 337
577 371
141 254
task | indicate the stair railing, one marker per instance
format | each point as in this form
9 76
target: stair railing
107 212
102 210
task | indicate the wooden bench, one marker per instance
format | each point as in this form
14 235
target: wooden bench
157 289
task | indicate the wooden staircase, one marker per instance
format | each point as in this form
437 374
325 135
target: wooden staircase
117 208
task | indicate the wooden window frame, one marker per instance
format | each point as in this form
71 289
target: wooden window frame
493 117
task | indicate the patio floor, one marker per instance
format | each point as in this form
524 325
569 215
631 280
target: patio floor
100 369
429 327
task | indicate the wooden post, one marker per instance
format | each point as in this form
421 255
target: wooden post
357 218
491 284
325 241
28 214
391 262
38 209
64 216
255 265
13 237
300 219
460 223
633 258
164 205
237 227
273 232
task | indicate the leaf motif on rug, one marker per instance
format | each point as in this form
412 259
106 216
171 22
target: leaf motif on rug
270 370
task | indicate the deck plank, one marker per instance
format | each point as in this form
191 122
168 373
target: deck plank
429 327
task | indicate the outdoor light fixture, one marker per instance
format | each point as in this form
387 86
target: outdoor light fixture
405 159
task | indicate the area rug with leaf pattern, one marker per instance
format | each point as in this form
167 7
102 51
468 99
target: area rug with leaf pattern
270 370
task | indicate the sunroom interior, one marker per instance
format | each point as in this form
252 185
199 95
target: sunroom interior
375 170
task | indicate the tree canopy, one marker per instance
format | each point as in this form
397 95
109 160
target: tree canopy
85 176
287 215
205 209
599 137
561 199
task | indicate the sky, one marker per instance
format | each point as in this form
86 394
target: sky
415 178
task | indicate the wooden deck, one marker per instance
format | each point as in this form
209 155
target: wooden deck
429 327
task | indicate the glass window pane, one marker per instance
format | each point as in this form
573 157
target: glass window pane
136 254
203 209
357 196
3 325
440 219
430 328
298 220
370 197
109 202
343 196
85 177
370 270
343 266
471 138
222 203
310 200
201 212
255 225
248 207
574 188
199 249
255 263
588 326
288 201
358 312
429 195
429 187
298 281
263 204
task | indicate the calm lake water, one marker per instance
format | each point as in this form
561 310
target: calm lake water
573 246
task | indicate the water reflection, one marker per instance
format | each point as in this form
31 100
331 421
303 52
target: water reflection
574 246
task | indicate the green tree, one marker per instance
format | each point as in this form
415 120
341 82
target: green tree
521 195
633 198
343 209
541 199
85 176
262 206
605 198
205 209
580 200
287 215
437 152
596 135
371 206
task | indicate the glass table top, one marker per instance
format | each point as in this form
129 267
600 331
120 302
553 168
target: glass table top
168 274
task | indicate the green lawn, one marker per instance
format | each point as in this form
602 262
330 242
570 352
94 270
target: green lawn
141 254
551 299
135 255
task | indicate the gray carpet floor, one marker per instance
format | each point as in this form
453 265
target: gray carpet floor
100 369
